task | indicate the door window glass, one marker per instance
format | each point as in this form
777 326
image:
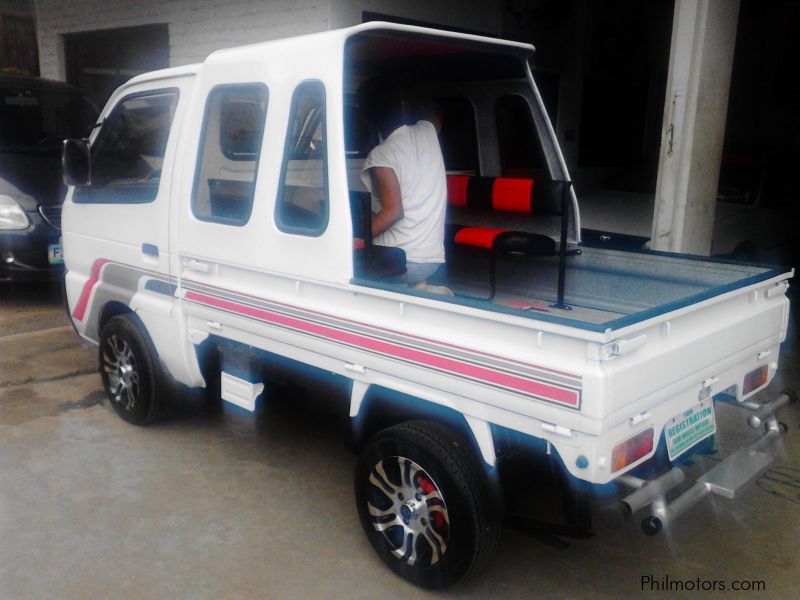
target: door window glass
302 205
128 154
230 148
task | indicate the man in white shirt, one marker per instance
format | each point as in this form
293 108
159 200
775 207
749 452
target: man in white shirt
405 174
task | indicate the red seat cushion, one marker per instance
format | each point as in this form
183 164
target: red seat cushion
514 195
480 237
491 193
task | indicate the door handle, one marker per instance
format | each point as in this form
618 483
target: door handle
150 250
197 265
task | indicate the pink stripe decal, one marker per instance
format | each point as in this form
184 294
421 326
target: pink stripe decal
83 301
408 335
543 390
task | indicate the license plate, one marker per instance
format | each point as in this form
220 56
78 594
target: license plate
691 426
55 254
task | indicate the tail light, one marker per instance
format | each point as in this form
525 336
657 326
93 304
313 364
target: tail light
755 379
631 450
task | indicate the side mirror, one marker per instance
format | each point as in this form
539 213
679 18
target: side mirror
76 162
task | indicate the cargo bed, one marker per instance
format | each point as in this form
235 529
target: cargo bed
605 289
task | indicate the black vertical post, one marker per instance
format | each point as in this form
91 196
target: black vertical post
366 224
562 250
492 275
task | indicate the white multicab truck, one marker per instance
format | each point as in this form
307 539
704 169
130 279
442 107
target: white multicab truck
214 231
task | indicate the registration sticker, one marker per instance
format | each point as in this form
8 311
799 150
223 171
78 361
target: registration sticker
689 427
55 254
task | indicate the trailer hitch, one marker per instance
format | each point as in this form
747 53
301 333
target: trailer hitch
724 479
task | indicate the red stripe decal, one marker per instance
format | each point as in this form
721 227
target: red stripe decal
94 278
457 190
511 194
542 390
482 237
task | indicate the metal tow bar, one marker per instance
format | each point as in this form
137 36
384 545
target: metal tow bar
724 479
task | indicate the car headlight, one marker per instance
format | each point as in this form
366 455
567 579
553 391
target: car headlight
11 215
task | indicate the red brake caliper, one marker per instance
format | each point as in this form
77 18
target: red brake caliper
437 517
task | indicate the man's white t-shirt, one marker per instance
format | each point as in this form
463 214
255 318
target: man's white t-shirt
414 154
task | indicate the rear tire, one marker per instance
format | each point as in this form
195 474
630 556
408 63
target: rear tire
129 369
424 505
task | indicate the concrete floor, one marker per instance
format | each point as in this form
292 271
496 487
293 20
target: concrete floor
230 505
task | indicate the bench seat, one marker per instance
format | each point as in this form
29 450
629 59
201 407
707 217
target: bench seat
502 194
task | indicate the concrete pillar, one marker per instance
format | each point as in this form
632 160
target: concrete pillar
696 103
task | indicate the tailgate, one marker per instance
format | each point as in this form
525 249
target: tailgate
705 342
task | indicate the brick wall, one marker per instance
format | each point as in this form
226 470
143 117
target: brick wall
198 27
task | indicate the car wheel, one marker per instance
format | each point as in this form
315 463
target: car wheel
423 504
128 366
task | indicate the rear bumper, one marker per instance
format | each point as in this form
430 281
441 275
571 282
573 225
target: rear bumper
725 479
23 253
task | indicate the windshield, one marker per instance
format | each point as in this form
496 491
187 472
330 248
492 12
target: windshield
36 120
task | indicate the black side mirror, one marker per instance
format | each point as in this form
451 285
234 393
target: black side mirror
76 162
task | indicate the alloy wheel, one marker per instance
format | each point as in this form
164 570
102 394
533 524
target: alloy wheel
119 364
406 505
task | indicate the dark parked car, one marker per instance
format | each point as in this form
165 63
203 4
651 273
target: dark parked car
35 116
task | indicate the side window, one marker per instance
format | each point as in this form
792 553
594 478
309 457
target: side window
459 136
520 148
129 152
302 205
230 147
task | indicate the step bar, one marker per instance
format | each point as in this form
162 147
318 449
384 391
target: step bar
724 479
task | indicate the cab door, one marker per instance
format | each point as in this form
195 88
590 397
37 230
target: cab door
220 231
116 230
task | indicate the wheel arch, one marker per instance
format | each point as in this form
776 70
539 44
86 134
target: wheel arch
111 309
383 407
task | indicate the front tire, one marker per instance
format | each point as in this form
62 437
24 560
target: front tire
128 367
423 504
